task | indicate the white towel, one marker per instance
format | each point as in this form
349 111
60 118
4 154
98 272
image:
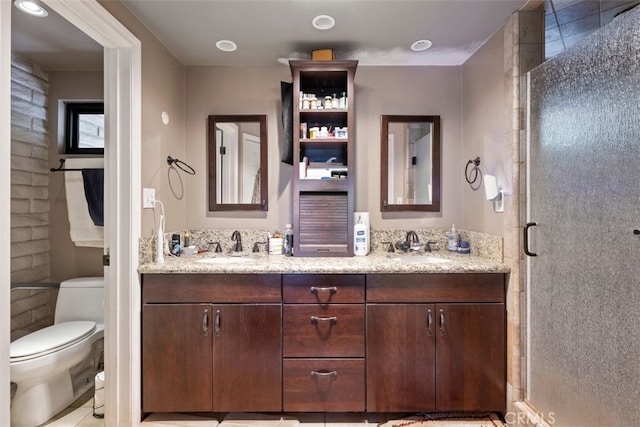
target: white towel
83 231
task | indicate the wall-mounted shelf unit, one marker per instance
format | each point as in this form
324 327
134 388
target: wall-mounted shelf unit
323 207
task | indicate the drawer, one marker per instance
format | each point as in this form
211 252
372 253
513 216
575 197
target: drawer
323 288
323 385
218 288
333 330
431 288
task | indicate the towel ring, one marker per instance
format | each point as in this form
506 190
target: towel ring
180 165
473 175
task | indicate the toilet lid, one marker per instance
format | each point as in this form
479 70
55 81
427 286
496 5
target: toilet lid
51 338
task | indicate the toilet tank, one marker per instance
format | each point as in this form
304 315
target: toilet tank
81 298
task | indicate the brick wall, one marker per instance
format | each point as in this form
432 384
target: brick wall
30 309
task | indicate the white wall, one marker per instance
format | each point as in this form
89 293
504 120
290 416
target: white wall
162 90
484 121
379 90
67 259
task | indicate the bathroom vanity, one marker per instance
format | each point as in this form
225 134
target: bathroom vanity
281 334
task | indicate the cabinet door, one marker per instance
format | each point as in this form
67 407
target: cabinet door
247 357
470 357
177 358
400 357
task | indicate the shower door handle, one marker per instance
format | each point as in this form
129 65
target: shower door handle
526 239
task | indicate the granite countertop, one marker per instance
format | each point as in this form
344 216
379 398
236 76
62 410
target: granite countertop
375 262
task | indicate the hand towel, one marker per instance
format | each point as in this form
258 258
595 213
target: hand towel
82 229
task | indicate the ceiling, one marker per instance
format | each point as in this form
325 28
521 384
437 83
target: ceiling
375 32
267 32
53 43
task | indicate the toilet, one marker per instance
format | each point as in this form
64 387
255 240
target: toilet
44 363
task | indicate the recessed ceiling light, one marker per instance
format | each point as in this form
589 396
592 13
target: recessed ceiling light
226 45
323 22
420 45
31 7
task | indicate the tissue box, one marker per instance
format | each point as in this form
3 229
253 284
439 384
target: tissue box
323 55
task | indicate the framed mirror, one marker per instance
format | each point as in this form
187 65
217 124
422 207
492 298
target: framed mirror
410 163
238 174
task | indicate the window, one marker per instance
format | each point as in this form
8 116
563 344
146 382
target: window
84 128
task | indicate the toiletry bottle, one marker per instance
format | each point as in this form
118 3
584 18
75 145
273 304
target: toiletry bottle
175 244
360 238
452 239
288 240
187 239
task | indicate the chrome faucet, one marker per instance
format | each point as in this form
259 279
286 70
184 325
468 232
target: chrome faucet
236 236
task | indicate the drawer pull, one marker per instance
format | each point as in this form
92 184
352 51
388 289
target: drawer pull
429 322
217 325
324 373
316 289
205 323
332 319
442 320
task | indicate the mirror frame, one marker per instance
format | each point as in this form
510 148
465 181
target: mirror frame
384 164
212 163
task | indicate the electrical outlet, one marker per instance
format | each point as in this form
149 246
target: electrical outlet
148 198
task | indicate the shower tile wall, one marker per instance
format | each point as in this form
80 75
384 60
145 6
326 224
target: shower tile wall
523 50
30 309
569 21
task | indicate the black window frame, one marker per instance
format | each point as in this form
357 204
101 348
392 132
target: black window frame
72 111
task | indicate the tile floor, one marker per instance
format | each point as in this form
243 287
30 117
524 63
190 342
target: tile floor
80 414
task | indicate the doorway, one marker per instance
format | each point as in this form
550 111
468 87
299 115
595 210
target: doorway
122 74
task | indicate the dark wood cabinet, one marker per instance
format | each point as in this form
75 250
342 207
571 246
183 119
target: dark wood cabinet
400 358
211 356
177 358
323 205
444 351
247 355
470 357
324 343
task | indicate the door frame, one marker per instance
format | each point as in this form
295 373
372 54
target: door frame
122 96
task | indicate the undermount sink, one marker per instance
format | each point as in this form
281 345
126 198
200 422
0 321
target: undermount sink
421 259
225 260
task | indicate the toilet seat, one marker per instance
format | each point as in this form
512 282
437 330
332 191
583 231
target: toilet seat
50 339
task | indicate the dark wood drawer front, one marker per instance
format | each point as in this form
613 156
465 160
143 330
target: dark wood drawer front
427 288
218 288
334 330
324 385
323 288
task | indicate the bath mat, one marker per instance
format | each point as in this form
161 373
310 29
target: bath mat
255 420
447 420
